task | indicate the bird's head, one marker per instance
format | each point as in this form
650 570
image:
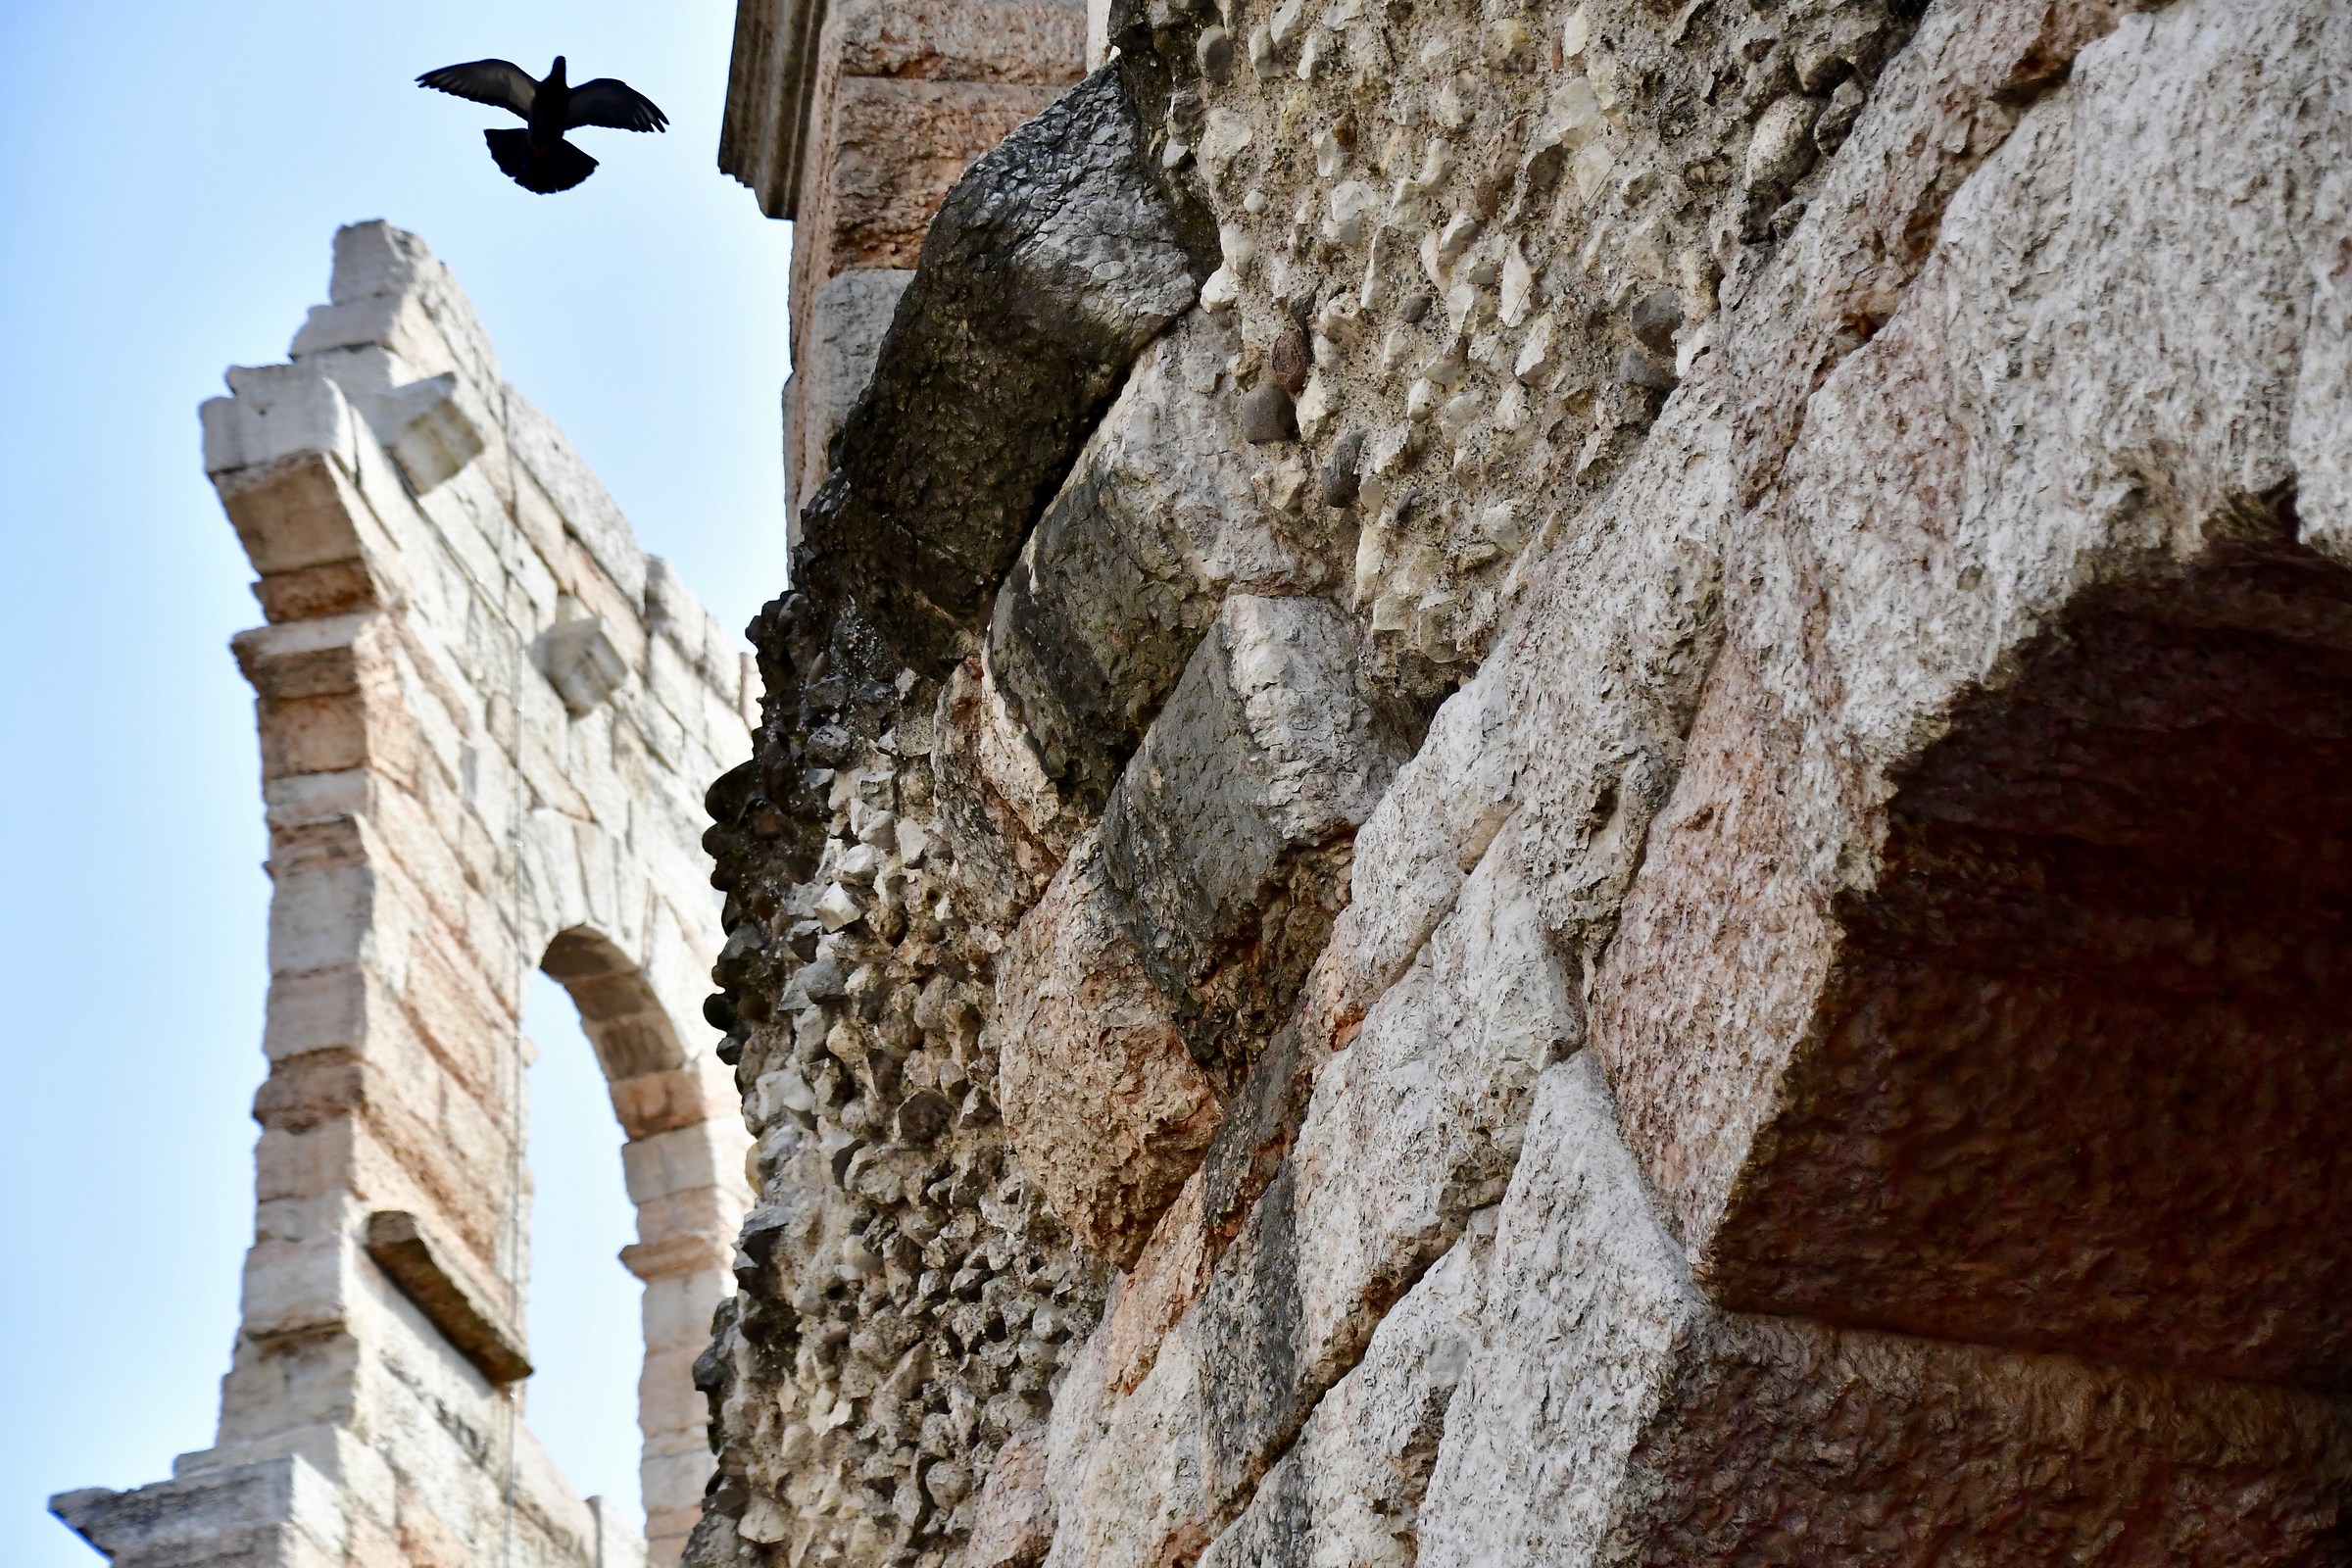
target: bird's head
555 72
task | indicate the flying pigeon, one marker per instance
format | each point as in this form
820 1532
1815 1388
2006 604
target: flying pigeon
537 157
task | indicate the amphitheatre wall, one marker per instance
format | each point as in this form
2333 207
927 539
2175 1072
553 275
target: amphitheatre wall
485 718
1559 785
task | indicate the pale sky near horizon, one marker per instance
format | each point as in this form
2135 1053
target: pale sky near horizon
174 176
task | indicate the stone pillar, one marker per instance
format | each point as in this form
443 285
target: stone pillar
853 120
486 717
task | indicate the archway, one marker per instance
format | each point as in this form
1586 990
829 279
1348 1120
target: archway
486 722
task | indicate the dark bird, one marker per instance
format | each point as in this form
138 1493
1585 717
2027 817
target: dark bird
537 157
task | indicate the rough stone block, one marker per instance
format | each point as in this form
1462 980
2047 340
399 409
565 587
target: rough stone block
899 146
1229 831
1106 1109
580 660
1936 1007
1083 265
1350 1489
1126 1479
1013 1525
1119 581
276 1513
1610 1414
1417 1125
426 1272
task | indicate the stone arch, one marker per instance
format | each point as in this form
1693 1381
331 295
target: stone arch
623 1019
486 721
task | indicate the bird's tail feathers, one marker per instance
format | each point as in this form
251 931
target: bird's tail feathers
558 168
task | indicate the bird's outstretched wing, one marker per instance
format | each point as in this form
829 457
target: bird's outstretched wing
610 101
500 83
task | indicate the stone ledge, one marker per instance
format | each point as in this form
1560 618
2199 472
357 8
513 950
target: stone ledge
426 1275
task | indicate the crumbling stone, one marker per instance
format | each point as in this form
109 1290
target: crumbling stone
1850 561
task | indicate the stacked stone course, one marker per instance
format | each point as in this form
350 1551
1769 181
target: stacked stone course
1562 786
485 716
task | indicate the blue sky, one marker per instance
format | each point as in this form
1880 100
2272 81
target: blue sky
174 176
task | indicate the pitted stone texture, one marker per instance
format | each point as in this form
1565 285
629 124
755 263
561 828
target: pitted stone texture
1106 1109
1973 816
1229 830
1121 577
1610 1415
1053 262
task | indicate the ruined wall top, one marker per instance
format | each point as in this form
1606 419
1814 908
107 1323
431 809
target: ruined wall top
486 718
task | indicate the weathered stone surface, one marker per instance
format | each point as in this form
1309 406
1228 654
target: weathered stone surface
1015 1525
1417 1125
1055 259
845 324
1126 1476
1975 933
1157 522
1610 1414
1229 830
1854 484
1350 1489
1106 1109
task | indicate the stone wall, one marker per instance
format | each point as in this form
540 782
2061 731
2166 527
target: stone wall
853 120
1564 786
485 716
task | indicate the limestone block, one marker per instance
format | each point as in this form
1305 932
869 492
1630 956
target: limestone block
1132 1496
1609 1414
1156 521
1106 1109
899 145
429 1275
579 660
668 1163
1228 831
1166 1279
388 289
1001 41
297 1286
840 336
276 414
321 919
276 1513
1083 267
1430 828
1916 1027
1418 1123
1013 1525
435 429
1350 1489
665 1100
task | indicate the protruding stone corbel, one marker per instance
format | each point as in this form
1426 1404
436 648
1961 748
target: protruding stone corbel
406 1251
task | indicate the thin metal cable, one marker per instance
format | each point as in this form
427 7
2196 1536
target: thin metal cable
523 980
